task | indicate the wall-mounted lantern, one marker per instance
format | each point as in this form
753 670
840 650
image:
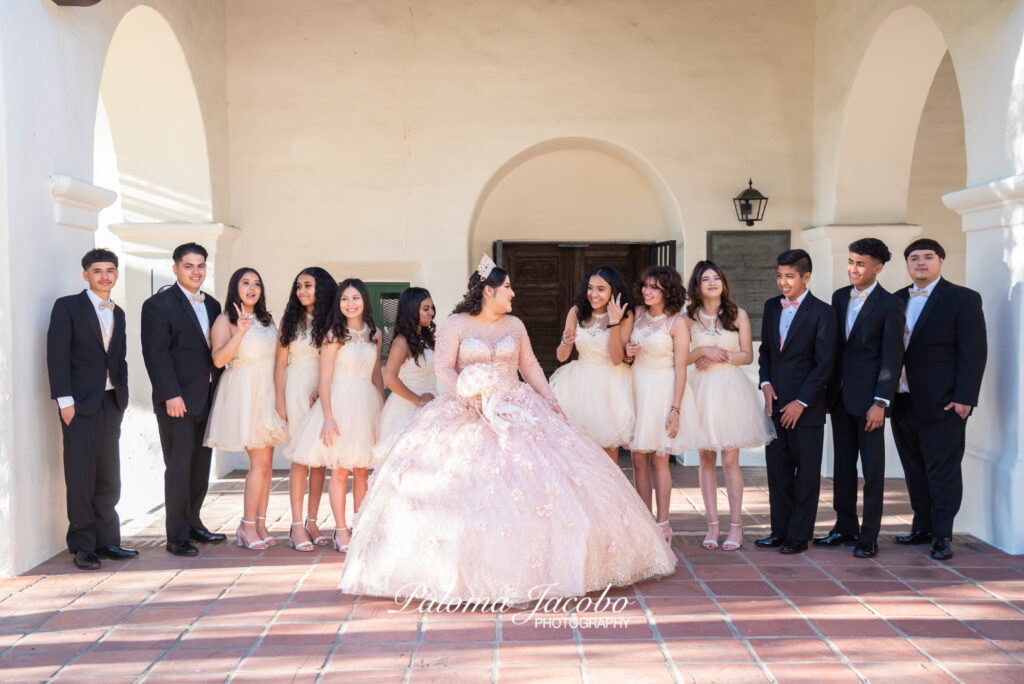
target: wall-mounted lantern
750 204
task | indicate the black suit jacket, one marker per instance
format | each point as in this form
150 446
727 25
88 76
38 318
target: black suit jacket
869 361
801 369
945 357
75 358
175 350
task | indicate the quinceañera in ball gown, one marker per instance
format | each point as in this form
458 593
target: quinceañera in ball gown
490 494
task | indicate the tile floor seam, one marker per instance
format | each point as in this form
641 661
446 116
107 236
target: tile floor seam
332 651
420 637
653 625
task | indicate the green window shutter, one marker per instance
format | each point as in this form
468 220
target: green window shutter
384 300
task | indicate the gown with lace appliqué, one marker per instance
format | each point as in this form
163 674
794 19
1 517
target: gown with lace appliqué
595 394
418 375
355 406
243 415
465 509
731 412
653 390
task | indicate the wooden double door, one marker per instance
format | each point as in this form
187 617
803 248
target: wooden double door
547 275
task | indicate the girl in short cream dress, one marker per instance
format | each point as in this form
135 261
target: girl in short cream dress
341 428
666 417
242 417
596 391
409 372
296 379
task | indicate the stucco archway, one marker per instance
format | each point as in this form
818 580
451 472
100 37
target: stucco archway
574 189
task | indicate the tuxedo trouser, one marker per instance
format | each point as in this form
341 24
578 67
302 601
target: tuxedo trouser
793 463
92 476
186 471
931 454
849 437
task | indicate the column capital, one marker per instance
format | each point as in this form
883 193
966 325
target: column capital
996 204
77 204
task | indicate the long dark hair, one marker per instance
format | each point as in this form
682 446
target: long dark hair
337 324
259 311
295 313
610 275
473 301
727 312
407 322
669 282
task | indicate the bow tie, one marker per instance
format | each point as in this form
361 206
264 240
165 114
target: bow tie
786 303
200 298
856 294
914 292
109 304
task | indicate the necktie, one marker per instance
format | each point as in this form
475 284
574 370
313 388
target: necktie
856 294
914 292
786 303
109 304
197 298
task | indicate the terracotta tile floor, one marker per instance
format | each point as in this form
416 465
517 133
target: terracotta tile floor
276 616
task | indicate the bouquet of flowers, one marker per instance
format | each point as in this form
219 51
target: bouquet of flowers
478 379
481 380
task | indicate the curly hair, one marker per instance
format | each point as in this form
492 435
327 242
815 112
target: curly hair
337 325
407 322
669 282
610 275
233 298
473 301
872 247
727 312
294 313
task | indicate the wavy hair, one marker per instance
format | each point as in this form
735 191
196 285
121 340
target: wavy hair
294 313
727 312
669 282
337 325
407 322
473 301
610 275
259 310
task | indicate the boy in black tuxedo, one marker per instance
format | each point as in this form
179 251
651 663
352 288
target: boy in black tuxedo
869 356
85 357
795 358
943 364
176 348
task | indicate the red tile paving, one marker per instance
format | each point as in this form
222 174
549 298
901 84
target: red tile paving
747 616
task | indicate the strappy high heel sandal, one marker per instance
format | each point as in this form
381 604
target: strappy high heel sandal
666 530
321 540
304 546
731 545
269 541
258 545
342 548
711 543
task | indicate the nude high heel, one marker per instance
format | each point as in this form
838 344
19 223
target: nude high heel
258 545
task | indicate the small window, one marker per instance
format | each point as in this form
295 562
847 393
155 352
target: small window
384 299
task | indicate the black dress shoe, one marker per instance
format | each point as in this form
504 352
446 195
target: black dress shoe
914 538
182 549
86 560
942 548
790 546
206 536
865 549
768 542
834 538
116 552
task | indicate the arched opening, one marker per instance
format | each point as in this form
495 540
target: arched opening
149 146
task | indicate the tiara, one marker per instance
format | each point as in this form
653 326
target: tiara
485 267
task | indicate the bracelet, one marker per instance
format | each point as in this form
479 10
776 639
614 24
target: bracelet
612 325
675 408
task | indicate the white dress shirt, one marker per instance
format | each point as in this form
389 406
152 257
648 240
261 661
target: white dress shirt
785 321
106 319
856 304
200 310
914 307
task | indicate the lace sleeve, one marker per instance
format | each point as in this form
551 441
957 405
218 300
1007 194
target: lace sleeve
446 352
529 367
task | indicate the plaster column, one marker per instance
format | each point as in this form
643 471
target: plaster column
993 467
147 249
829 247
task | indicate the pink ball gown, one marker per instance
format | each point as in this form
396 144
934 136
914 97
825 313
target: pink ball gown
486 498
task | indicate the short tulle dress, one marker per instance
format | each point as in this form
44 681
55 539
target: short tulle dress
495 496
398 411
653 388
243 415
731 411
356 405
302 375
595 394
